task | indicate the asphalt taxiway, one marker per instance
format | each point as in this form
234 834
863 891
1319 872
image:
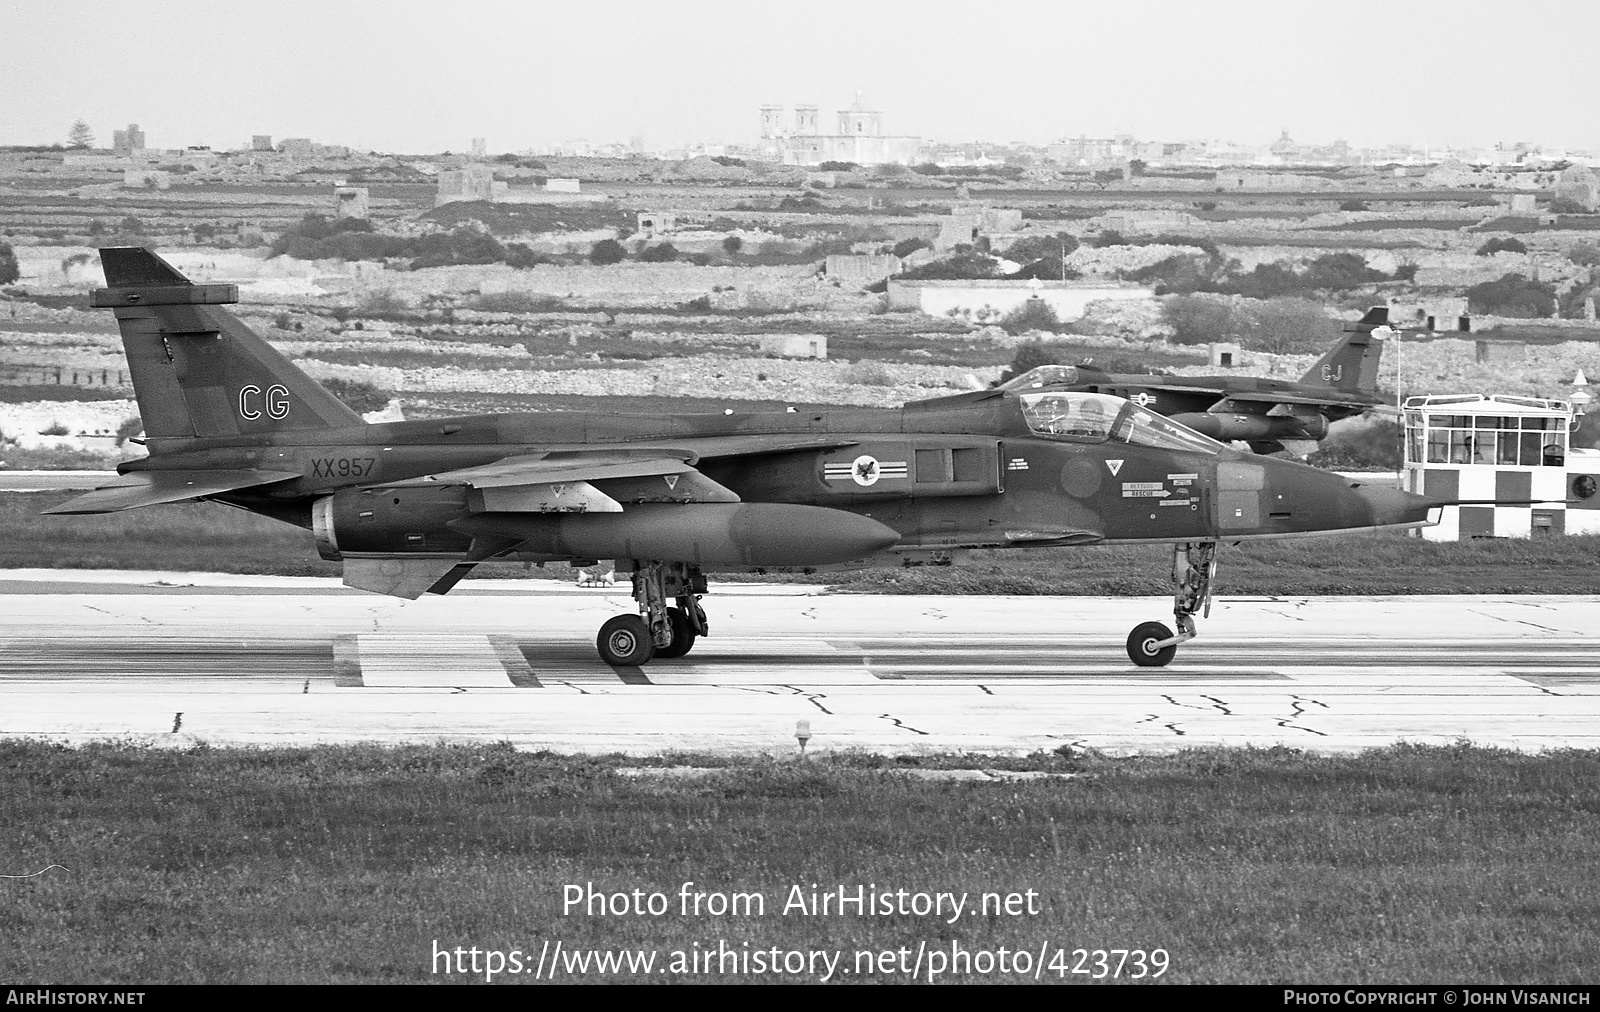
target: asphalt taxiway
184 658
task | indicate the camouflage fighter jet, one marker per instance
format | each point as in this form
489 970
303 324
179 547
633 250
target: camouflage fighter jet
1271 415
412 506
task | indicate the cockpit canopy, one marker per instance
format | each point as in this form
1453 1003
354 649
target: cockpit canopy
1043 376
1097 418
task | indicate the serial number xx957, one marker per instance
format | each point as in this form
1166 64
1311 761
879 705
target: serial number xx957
342 467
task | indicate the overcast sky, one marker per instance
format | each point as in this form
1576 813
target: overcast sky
420 77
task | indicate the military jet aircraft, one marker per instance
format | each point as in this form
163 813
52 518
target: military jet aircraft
412 506
1271 415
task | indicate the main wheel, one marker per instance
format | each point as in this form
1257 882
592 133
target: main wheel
683 635
1142 649
625 640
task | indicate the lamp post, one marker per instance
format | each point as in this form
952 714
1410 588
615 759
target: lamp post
1387 333
1581 398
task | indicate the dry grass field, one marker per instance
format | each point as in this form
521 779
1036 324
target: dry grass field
1401 865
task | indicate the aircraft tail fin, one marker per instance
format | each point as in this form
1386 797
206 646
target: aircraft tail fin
1351 365
198 371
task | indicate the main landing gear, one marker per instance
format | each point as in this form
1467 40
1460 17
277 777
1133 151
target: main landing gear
660 629
1151 644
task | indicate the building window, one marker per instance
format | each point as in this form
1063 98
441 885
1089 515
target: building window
1508 441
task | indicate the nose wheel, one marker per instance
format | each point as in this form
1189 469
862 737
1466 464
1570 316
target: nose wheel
1145 645
1153 645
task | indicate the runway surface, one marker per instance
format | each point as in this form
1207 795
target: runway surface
51 481
184 658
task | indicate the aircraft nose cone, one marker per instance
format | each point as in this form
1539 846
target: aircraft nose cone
1305 499
1390 507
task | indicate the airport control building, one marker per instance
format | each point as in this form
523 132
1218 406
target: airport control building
1504 448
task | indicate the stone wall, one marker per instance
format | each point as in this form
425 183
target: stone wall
861 270
946 298
795 345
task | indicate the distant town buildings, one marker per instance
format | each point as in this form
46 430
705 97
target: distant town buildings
1101 153
858 138
1088 152
807 137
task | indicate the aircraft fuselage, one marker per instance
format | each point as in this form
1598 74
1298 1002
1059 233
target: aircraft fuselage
970 476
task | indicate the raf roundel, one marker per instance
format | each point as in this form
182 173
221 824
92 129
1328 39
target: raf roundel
865 470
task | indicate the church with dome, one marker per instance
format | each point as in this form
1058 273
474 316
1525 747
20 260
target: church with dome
859 138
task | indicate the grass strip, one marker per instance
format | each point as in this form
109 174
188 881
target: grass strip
1402 864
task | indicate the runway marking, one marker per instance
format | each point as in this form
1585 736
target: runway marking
346 662
568 662
450 660
1561 678
516 665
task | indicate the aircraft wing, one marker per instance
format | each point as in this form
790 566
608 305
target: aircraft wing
540 469
583 482
1178 388
1322 401
710 447
563 481
150 488
1331 398
678 457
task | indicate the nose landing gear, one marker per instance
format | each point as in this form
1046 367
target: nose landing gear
663 630
1153 645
